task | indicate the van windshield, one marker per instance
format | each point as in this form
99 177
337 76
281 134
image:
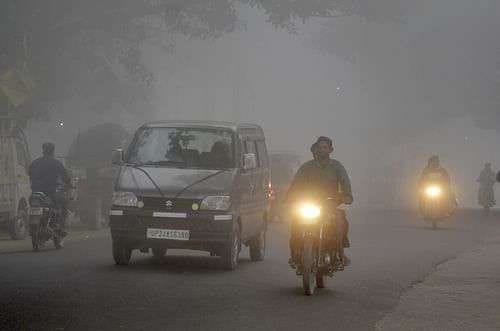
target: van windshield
183 148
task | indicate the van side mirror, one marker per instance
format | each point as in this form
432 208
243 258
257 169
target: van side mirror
117 157
249 161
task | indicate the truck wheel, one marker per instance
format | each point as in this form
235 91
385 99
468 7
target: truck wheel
121 253
258 247
231 251
19 225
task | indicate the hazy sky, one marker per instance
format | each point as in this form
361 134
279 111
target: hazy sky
389 109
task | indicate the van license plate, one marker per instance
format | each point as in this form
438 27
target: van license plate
167 234
36 211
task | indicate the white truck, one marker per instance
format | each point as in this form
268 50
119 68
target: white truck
14 178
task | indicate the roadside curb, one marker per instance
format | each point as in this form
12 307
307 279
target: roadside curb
461 294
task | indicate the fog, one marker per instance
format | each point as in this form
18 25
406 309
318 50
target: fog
390 93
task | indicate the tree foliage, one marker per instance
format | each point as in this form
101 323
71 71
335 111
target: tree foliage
92 49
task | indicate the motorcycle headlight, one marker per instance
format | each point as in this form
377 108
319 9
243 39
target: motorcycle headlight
221 203
433 191
124 199
309 212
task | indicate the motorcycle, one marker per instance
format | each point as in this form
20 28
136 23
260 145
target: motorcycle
436 204
45 218
320 243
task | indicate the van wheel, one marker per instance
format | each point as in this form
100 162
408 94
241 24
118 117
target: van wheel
19 225
258 247
231 251
121 253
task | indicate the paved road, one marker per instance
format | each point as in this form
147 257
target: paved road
79 287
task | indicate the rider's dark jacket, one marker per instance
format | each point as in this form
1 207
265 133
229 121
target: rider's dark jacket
429 172
315 179
44 174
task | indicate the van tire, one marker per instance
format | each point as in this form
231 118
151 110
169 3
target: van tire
231 251
258 247
121 253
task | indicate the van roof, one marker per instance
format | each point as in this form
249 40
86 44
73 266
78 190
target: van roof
219 124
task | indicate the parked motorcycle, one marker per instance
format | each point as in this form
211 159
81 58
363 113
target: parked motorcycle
45 218
321 247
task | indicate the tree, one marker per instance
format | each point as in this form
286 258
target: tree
92 49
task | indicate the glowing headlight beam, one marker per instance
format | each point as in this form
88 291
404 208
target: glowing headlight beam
433 191
309 211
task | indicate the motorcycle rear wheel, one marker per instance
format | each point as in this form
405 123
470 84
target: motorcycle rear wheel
307 265
57 242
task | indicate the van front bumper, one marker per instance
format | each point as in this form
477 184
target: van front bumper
207 230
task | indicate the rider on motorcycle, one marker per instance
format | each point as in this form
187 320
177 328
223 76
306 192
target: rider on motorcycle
323 177
430 172
486 180
45 174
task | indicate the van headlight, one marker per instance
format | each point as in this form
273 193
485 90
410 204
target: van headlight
124 199
222 203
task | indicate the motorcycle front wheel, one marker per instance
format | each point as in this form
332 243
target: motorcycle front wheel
308 277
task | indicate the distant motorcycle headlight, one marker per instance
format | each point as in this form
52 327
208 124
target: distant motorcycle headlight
221 203
309 212
124 199
433 191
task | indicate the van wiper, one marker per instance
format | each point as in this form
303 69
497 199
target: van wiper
138 166
199 181
165 163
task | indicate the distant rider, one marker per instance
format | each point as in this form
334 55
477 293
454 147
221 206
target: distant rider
434 172
46 173
486 180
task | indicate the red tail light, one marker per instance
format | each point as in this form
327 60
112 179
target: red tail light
271 193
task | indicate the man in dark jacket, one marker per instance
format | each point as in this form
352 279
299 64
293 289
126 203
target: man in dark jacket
45 174
323 178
